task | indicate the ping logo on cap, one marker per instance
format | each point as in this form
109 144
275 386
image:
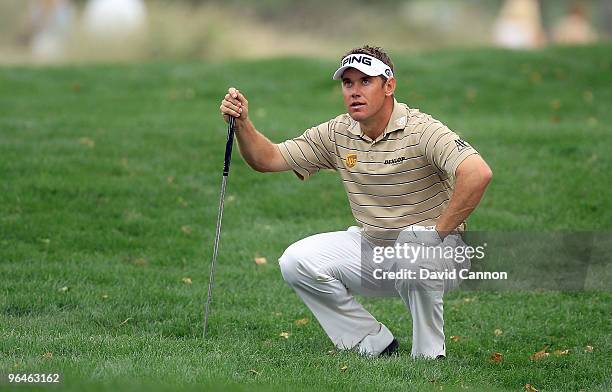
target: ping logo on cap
367 64
357 59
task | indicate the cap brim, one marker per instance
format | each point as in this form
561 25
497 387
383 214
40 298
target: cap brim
366 69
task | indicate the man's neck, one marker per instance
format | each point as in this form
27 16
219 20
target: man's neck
375 125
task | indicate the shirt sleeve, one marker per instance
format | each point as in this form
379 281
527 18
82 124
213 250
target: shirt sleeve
310 152
443 148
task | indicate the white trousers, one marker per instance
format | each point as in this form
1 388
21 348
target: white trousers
326 270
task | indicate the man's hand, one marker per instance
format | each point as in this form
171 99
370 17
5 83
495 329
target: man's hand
234 104
422 235
259 152
472 177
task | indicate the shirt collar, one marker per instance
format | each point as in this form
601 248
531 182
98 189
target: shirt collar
398 120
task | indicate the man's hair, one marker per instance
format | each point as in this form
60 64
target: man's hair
374 51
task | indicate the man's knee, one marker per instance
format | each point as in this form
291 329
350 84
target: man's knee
291 265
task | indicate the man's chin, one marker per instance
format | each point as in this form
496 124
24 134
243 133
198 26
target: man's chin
358 116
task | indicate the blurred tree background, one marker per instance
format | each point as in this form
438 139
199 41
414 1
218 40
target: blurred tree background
242 28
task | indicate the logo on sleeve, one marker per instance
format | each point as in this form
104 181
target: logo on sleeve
351 160
461 145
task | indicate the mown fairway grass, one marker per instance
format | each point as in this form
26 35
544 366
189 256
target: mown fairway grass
110 180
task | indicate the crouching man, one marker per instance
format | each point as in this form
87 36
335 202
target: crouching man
409 180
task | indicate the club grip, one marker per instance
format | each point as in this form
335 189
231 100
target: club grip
228 145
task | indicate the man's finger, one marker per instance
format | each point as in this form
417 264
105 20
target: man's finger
236 94
233 92
230 105
230 112
241 97
235 101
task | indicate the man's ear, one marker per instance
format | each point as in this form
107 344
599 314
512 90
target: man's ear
389 87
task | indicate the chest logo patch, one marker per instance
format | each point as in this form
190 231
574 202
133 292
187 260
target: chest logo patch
351 160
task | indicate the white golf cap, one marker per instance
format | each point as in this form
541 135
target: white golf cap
367 64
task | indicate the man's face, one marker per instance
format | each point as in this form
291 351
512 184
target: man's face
363 95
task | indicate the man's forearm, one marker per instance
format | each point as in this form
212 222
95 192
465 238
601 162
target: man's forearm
259 152
255 148
469 188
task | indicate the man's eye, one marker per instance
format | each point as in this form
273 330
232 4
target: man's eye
366 81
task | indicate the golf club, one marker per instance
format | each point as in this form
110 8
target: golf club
226 168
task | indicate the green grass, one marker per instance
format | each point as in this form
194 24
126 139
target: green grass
102 166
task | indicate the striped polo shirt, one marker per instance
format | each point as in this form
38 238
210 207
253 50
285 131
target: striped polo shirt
404 177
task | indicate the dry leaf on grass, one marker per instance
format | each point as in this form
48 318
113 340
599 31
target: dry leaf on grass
139 261
471 93
498 332
536 77
186 229
555 104
186 280
588 349
104 296
170 180
87 142
277 314
301 322
561 352
539 354
455 338
64 289
284 335
531 388
259 260
496 357
47 355
253 371
469 299
344 368
125 321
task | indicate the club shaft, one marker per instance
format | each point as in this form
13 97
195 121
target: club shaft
226 166
211 278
